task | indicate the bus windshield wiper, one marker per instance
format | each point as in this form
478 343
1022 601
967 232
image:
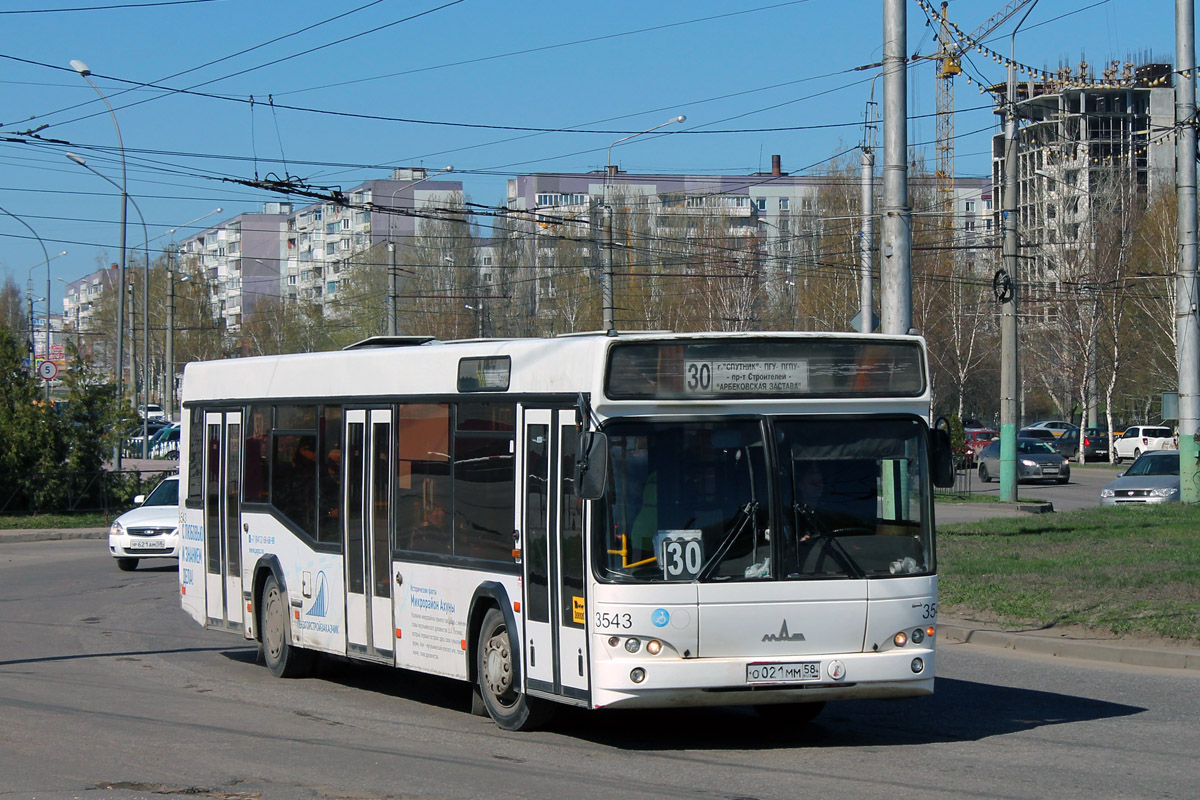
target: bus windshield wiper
829 541
745 515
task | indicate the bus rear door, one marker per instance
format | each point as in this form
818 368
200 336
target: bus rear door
222 518
555 601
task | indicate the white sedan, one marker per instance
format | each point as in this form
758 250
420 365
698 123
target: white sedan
149 531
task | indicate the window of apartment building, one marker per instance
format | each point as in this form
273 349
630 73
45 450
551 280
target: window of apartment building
291 280
487 261
785 203
987 223
987 204
316 215
969 206
221 250
969 225
346 224
331 287
329 248
760 204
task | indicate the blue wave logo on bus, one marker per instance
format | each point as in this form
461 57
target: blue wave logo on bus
319 605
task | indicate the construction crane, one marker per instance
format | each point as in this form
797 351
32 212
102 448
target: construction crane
948 62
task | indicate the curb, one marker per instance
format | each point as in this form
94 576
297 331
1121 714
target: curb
52 535
1048 644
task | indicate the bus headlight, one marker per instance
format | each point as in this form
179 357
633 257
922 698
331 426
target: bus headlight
633 645
900 639
653 647
637 675
918 636
917 666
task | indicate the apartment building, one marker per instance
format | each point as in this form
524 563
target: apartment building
321 240
1082 141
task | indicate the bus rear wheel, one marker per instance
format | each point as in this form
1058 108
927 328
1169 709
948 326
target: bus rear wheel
284 659
508 707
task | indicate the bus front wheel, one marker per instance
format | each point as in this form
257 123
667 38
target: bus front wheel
508 707
284 659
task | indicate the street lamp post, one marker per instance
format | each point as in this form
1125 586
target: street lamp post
169 344
606 287
46 261
145 305
85 73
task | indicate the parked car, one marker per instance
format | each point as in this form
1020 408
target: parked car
1067 445
133 442
1036 461
1055 426
152 412
1041 434
165 443
149 531
1153 478
1095 444
975 439
1138 439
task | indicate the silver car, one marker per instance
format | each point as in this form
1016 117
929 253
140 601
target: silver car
1153 478
1036 461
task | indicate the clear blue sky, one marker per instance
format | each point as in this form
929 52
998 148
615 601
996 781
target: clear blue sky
739 71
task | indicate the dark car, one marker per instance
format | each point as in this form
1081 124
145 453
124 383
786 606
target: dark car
1067 444
1095 444
1036 461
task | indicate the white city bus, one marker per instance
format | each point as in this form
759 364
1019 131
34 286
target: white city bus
634 520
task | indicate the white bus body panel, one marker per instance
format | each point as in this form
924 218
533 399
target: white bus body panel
191 562
431 609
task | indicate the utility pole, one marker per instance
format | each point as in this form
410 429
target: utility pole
895 273
606 284
169 345
392 300
1006 287
866 284
1187 328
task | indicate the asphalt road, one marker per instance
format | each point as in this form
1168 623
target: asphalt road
1082 491
107 690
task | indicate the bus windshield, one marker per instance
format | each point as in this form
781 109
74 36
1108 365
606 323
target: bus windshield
765 499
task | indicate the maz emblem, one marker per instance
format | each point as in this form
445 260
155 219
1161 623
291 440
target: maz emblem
783 635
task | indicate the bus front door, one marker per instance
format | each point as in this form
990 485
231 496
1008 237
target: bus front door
367 460
556 658
222 519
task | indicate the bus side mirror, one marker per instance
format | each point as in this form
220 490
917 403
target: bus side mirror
942 458
591 468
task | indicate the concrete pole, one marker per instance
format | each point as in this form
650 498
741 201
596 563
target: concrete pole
1186 326
895 272
392 300
169 344
1008 312
606 283
866 282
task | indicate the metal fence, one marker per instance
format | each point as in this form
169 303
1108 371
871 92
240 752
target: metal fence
65 492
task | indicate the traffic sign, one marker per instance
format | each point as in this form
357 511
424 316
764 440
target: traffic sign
48 370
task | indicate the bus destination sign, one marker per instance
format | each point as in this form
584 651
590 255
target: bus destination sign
741 376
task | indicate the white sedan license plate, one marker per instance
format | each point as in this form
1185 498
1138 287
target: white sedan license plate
784 672
146 544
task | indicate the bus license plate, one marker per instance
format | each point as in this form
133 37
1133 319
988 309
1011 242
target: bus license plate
784 672
146 544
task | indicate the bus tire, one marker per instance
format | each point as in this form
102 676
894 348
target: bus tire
127 564
284 659
508 707
789 713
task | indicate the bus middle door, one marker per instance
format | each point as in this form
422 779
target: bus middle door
367 480
556 656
